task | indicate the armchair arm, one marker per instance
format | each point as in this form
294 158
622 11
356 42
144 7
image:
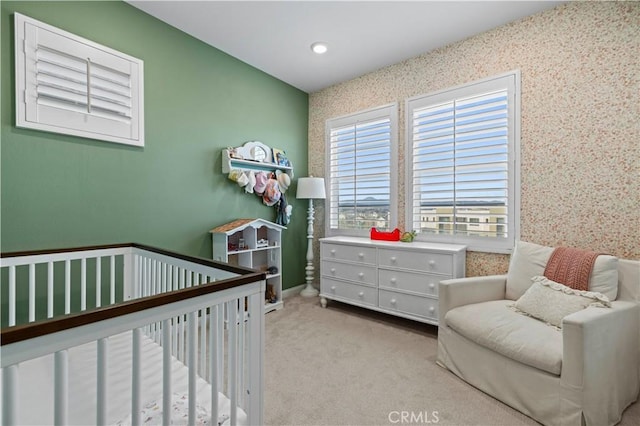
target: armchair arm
465 291
600 357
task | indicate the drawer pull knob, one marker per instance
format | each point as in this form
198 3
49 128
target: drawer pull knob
393 301
360 255
361 294
393 259
393 281
333 270
333 288
361 274
333 251
431 309
432 285
432 263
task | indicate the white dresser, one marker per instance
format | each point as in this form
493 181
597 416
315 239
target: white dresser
392 277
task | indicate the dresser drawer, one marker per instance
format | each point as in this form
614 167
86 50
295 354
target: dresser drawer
348 253
360 273
438 263
348 291
408 304
426 284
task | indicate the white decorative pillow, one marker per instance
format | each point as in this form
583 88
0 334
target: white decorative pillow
527 261
604 276
550 301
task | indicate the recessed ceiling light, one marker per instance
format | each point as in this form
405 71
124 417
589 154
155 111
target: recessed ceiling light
319 47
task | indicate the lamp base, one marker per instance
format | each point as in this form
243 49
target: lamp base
309 291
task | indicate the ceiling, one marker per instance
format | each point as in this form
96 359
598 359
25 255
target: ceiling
363 36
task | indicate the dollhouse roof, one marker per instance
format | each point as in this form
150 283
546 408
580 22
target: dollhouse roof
239 224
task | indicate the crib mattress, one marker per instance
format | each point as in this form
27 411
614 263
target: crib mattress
36 395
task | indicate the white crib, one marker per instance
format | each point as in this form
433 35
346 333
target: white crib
130 334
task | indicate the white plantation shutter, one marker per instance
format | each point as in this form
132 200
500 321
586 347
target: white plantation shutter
66 84
462 145
361 171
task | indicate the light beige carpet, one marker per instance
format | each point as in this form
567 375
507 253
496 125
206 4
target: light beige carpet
349 366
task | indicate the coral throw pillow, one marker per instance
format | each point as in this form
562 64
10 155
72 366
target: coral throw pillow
571 267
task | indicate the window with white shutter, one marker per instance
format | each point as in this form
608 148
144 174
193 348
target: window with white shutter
67 84
463 160
362 171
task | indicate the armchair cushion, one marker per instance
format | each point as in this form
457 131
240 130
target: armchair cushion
496 326
529 260
550 301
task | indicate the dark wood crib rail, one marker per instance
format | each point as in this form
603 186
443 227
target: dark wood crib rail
27 331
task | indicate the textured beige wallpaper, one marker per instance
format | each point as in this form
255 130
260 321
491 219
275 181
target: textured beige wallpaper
580 125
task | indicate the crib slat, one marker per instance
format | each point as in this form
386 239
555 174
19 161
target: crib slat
166 372
61 384
10 395
12 295
213 362
232 390
112 276
255 332
103 373
50 290
220 346
192 352
67 286
203 343
98 282
32 292
241 326
83 284
136 403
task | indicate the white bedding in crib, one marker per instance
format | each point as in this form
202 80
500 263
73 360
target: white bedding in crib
36 397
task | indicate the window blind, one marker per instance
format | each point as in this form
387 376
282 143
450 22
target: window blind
462 163
360 172
78 84
67 84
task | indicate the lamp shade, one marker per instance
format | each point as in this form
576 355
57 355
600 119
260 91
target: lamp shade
311 188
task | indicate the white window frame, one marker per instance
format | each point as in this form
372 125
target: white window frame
83 88
511 81
389 111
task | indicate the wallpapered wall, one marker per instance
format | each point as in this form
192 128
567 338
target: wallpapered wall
580 135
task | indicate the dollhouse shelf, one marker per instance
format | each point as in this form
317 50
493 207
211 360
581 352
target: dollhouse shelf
229 238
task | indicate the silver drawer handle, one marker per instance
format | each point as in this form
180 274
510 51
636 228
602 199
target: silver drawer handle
333 251
393 259
432 285
393 301
361 274
333 270
333 288
432 263
361 255
361 294
431 309
393 281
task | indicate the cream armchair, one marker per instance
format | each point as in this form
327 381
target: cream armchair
586 373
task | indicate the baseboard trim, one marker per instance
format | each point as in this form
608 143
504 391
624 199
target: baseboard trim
293 291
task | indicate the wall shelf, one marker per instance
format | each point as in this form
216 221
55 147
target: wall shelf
230 163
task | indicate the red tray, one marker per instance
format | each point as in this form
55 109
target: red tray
385 235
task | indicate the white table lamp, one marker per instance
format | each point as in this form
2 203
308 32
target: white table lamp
311 188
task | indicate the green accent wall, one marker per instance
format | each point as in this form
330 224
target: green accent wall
65 191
